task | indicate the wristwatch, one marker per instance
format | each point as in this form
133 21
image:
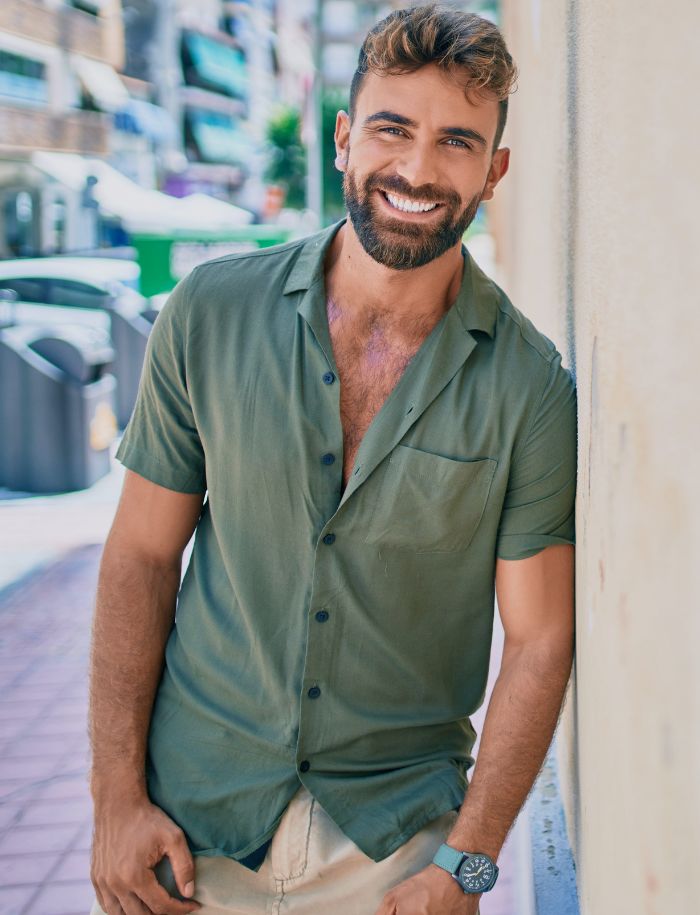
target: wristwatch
475 872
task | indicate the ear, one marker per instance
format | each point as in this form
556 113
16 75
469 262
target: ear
342 140
499 166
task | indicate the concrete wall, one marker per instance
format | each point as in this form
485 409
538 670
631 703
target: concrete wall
598 239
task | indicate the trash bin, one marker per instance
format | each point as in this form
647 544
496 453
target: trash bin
56 407
155 303
130 330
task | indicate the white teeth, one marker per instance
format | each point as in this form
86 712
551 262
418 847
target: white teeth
409 206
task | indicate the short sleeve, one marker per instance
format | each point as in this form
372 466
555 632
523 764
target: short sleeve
539 509
161 441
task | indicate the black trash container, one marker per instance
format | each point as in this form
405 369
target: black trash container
57 404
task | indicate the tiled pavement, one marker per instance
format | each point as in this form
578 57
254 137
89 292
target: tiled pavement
45 816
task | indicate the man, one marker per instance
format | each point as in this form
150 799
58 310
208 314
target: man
384 440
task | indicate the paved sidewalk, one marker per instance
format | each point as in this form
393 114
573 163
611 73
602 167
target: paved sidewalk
35 530
45 815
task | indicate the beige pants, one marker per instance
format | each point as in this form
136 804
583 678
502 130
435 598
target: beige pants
311 868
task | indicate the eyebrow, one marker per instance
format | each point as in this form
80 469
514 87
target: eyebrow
466 133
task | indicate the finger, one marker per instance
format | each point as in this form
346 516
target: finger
111 904
157 898
181 862
132 905
99 897
103 894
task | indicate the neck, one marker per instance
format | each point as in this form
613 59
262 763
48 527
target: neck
359 285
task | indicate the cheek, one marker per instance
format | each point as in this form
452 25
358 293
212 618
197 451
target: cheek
368 158
467 177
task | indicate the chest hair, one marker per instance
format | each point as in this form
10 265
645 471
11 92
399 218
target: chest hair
371 354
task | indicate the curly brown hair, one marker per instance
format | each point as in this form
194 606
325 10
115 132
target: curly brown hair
459 43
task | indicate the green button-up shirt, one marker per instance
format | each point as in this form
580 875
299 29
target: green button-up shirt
337 638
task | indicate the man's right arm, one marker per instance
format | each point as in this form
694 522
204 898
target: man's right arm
136 596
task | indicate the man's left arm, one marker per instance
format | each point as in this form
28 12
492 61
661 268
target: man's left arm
535 591
536 603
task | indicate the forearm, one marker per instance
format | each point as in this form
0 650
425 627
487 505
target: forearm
134 614
518 729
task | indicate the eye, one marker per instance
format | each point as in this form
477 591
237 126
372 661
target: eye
398 130
460 143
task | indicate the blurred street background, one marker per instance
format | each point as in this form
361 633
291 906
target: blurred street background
140 137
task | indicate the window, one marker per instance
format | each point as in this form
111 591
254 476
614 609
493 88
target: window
214 137
213 65
22 78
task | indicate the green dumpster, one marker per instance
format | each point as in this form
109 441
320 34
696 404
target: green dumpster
165 259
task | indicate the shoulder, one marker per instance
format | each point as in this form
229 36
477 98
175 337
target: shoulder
513 323
516 336
512 331
538 369
536 349
525 364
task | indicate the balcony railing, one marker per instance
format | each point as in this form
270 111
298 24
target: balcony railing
64 27
23 130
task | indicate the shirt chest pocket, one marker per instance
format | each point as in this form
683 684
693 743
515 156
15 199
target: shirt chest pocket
428 503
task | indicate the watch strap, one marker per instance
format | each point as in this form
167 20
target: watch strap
448 858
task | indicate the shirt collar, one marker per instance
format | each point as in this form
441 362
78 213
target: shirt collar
476 302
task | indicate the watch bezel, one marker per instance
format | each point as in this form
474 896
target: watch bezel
467 856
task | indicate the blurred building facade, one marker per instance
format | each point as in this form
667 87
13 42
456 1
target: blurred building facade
212 67
173 94
52 54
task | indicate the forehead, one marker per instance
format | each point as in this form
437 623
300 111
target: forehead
430 96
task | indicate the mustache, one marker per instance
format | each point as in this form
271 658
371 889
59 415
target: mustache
425 193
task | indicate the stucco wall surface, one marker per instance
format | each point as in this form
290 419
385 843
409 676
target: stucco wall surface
598 238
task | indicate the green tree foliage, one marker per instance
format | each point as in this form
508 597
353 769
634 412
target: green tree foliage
333 205
287 165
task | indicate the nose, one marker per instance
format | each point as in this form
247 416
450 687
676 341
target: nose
417 165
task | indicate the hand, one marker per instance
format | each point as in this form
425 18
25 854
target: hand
431 891
129 840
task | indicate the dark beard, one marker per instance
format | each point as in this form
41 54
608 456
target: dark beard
398 244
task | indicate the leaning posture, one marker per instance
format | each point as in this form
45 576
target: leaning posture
370 443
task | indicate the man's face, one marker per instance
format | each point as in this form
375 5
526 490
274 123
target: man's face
417 162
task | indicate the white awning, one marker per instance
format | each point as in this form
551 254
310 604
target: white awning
102 82
140 209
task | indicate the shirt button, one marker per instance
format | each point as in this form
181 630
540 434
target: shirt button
322 616
328 377
328 458
328 539
304 765
314 692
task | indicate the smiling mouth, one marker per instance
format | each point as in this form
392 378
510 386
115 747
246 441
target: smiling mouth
405 205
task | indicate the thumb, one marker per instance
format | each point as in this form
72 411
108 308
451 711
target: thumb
181 862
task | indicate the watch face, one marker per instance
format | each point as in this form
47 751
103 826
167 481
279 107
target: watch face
476 873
